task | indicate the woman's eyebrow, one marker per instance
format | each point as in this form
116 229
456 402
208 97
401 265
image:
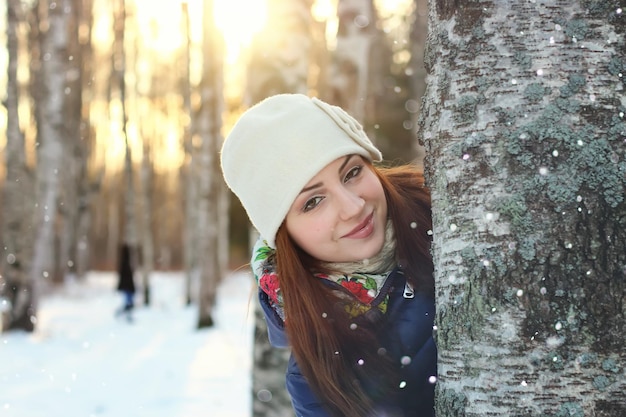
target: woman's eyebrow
309 188
319 184
345 162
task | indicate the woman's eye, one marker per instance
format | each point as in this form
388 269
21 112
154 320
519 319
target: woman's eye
353 173
311 203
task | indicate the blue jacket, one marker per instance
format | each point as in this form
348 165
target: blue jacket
407 333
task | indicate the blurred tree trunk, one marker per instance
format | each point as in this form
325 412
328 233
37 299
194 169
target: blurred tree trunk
281 53
211 188
130 236
362 58
86 186
524 131
416 69
189 172
148 134
281 63
369 75
50 96
147 208
15 283
74 153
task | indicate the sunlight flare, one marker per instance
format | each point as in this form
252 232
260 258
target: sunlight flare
239 21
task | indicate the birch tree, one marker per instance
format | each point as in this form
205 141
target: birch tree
189 170
86 187
281 52
416 71
147 237
118 57
370 73
15 283
211 187
360 58
51 101
524 131
146 95
74 155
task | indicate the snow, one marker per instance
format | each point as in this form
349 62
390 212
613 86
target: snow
83 361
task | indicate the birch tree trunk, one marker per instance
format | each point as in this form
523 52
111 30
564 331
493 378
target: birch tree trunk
211 187
74 147
358 57
524 131
130 235
50 99
147 237
366 79
417 72
148 134
282 51
87 187
189 172
15 283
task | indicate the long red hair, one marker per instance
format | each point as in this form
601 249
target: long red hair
332 354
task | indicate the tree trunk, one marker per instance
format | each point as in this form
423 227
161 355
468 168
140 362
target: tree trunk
361 59
365 79
210 183
74 153
147 237
130 235
14 308
417 72
86 186
189 173
282 51
50 101
524 132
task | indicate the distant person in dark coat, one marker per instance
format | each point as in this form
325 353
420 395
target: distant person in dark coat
126 282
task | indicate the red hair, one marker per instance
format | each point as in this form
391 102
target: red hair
327 347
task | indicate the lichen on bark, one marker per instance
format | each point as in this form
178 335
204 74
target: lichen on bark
523 123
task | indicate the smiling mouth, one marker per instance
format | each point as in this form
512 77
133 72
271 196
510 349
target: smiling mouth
363 229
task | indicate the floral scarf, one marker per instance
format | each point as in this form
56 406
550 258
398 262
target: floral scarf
363 279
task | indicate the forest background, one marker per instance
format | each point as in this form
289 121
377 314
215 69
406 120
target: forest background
115 112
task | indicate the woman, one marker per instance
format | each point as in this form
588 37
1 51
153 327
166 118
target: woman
343 262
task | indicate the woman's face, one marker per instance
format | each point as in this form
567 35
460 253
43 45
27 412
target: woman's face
341 214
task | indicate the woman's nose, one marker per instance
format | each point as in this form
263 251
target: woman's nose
350 204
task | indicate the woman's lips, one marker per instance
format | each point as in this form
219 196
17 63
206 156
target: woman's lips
363 229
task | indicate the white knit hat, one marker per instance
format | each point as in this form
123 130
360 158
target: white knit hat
278 145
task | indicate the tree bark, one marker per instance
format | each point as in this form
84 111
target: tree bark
14 308
147 208
50 104
416 69
524 132
211 187
282 51
188 171
87 187
130 235
74 153
360 47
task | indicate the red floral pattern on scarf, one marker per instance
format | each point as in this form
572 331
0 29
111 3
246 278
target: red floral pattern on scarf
270 285
358 290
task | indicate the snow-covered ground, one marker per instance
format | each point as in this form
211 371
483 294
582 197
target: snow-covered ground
82 361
